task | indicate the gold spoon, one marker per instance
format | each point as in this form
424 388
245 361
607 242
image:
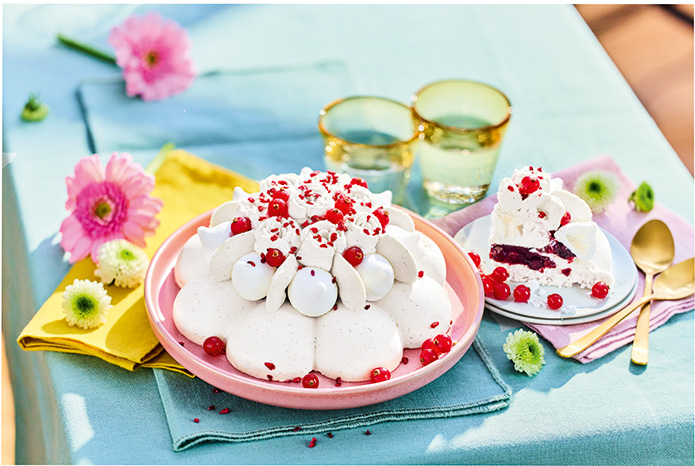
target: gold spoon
652 250
676 282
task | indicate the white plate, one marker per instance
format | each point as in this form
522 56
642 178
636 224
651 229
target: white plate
565 319
578 302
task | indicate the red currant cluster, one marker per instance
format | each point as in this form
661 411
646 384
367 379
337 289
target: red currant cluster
433 348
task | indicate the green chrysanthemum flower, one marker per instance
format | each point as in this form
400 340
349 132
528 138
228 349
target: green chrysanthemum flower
598 189
643 198
527 353
122 263
34 110
85 304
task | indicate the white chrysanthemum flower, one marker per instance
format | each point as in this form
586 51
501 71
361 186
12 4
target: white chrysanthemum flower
122 263
527 353
85 304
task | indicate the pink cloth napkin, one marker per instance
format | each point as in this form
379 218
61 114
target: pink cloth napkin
622 222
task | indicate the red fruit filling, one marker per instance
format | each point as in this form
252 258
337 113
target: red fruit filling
522 293
380 374
312 443
519 255
240 225
554 301
353 255
600 290
213 346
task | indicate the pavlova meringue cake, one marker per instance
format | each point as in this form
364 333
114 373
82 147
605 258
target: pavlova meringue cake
542 232
312 273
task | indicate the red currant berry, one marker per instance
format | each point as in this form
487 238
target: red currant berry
240 225
501 291
213 346
380 374
522 293
428 356
428 344
442 344
565 219
475 258
281 194
343 203
528 185
353 255
277 208
359 182
599 290
335 216
310 381
554 301
500 275
488 286
274 257
383 216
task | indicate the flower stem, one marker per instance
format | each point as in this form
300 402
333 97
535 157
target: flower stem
86 49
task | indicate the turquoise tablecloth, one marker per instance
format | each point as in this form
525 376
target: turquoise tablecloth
570 104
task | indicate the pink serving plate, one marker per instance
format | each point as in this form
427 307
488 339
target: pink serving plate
467 299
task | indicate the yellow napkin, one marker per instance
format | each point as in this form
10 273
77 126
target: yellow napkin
188 186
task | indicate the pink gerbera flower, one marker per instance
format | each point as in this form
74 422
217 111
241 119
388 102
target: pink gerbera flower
153 53
108 204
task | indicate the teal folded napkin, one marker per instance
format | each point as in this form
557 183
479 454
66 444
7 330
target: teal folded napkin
472 386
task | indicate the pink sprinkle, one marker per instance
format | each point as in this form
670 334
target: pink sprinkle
216 390
211 408
252 199
367 306
269 365
367 433
196 420
541 214
296 429
434 324
252 263
421 273
511 188
313 272
224 411
270 377
312 444
296 380
404 360
274 238
181 343
333 280
329 435
338 382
